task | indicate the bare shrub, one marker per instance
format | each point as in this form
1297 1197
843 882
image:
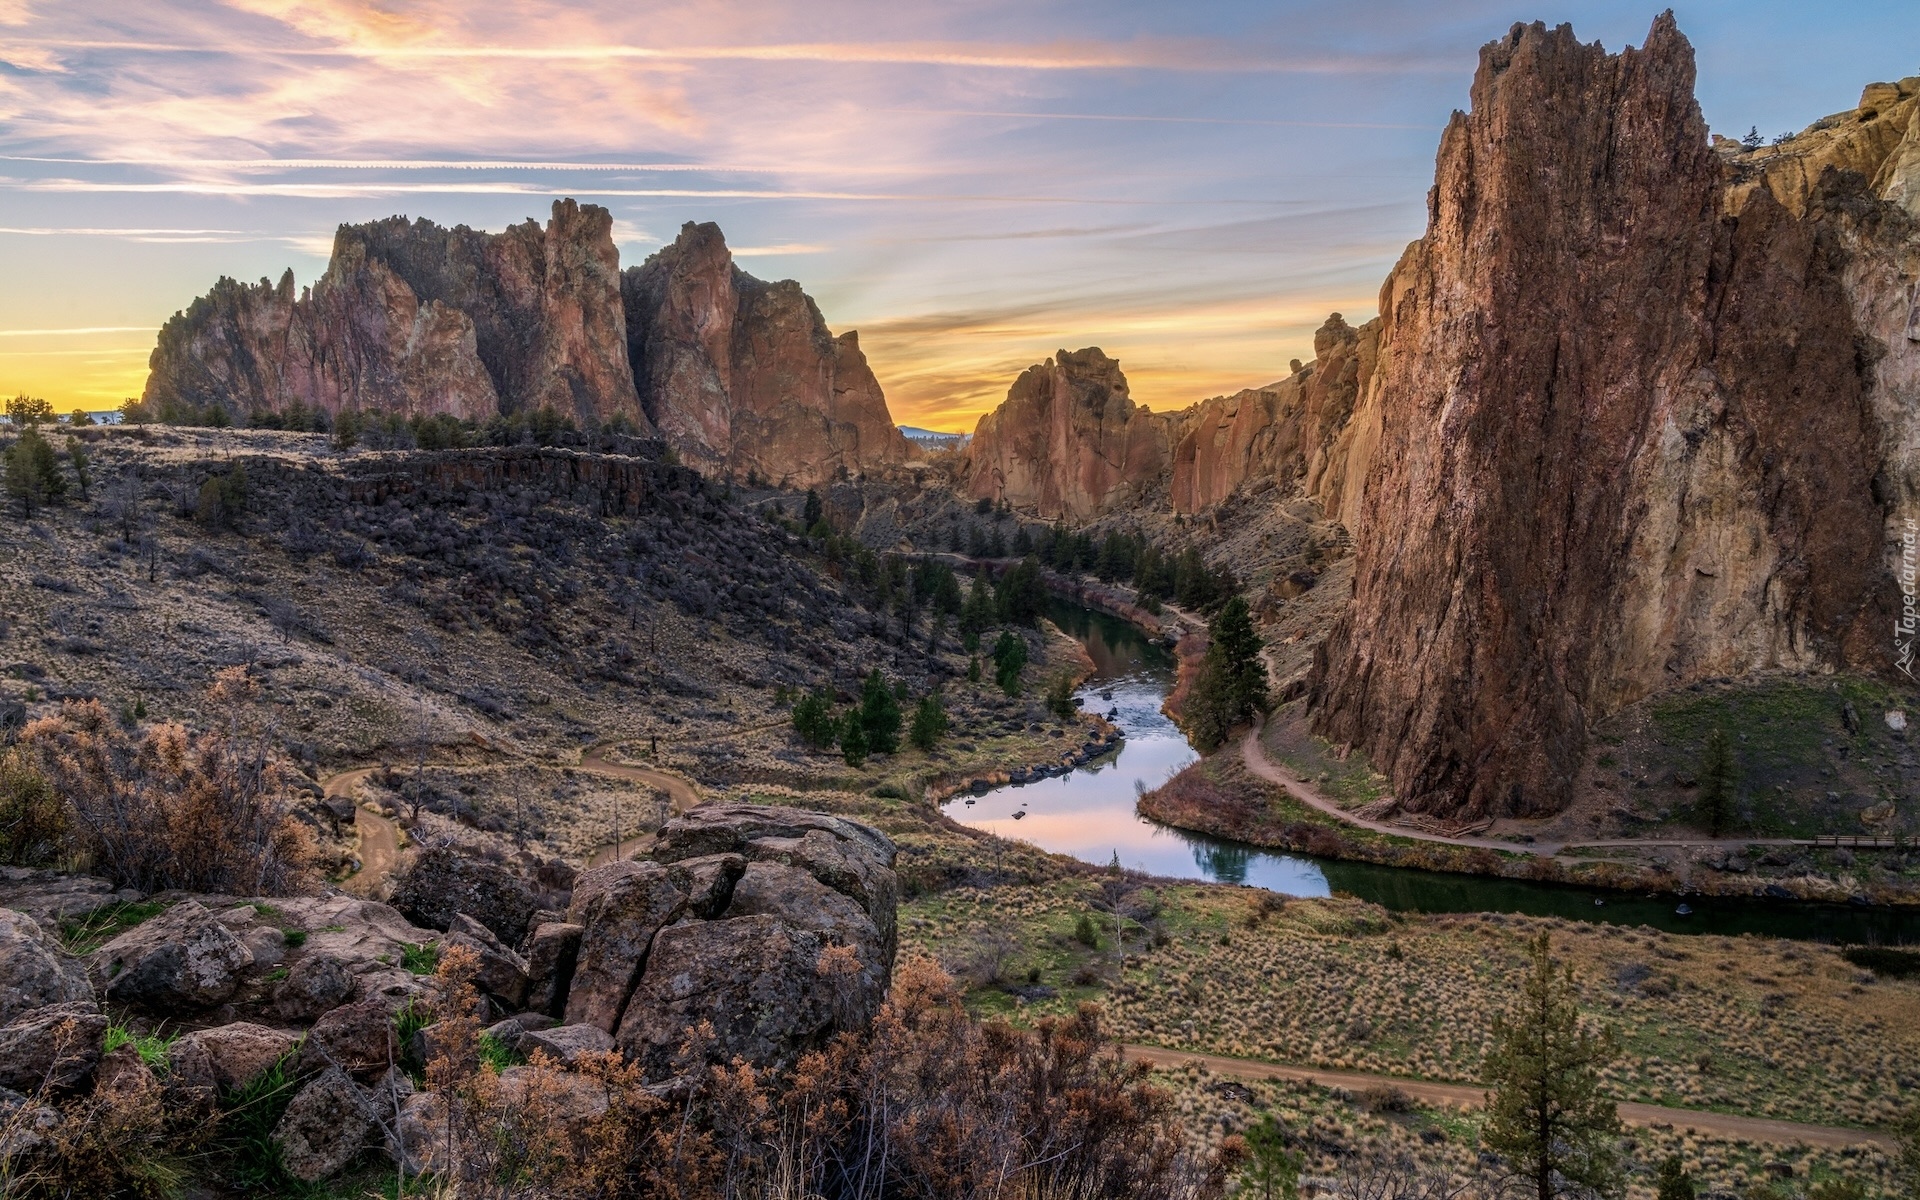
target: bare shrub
168 808
927 1103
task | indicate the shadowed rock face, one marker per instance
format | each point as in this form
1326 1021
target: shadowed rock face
742 375
417 319
1625 442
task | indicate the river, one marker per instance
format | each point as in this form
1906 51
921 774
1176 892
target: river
1090 815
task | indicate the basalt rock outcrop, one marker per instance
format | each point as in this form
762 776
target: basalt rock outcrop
417 319
1070 442
744 376
1646 414
736 374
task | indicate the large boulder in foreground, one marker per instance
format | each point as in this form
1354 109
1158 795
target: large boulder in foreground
34 971
798 943
183 959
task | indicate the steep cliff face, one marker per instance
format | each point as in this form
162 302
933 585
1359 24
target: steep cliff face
742 375
1068 441
1628 426
417 319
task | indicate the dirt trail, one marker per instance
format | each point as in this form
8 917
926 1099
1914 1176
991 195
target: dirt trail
379 838
1757 1129
683 796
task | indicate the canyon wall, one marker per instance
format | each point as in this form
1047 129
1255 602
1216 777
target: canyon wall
736 374
413 318
1070 442
742 375
1641 414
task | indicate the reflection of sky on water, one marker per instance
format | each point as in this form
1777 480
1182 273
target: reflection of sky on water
1090 813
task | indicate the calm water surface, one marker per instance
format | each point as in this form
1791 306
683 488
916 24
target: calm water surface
1090 815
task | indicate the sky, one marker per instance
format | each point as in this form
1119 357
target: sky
972 185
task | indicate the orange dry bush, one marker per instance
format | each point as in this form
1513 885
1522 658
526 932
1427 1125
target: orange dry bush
928 1104
167 808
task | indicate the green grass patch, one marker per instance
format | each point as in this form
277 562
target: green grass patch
422 959
248 1116
89 931
152 1048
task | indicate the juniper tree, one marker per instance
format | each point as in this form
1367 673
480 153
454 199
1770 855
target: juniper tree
1232 685
33 471
879 715
1674 1182
929 723
1272 1170
1716 782
1546 1114
1009 659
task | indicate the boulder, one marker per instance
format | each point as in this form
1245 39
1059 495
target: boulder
443 882
267 945
53 1047
754 978
181 959
24 1124
620 906
847 867
190 1080
708 882
240 1053
34 971
728 828
358 1037
123 1075
502 974
315 984
324 1128
420 1137
566 1043
553 949
803 902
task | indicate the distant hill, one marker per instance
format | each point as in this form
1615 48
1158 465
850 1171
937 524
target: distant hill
934 439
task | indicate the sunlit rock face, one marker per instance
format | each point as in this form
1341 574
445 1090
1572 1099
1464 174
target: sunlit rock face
417 319
1646 415
743 376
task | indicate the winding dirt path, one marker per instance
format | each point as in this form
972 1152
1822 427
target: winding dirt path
378 837
1757 1129
683 795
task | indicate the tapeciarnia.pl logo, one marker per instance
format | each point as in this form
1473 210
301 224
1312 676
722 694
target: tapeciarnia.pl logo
1908 623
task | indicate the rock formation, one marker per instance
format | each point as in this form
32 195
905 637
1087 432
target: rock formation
1644 417
417 319
736 374
1069 442
772 928
744 376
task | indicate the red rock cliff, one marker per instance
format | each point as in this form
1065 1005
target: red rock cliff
742 375
414 318
1624 441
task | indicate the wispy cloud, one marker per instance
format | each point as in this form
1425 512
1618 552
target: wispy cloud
782 248
79 332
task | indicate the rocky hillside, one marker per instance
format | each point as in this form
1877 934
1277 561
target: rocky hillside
737 374
1642 424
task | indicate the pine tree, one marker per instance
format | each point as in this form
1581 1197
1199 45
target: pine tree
853 741
929 723
1060 696
33 471
1009 659
1545 1112
1674 1181
977 614
879 715
814 721
1716 783
814 512
1272 1170
973 665
81 460
1232 685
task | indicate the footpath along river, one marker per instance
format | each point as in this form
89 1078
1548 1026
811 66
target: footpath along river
1090 815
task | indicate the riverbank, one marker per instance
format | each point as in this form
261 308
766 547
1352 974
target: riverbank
1226 796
